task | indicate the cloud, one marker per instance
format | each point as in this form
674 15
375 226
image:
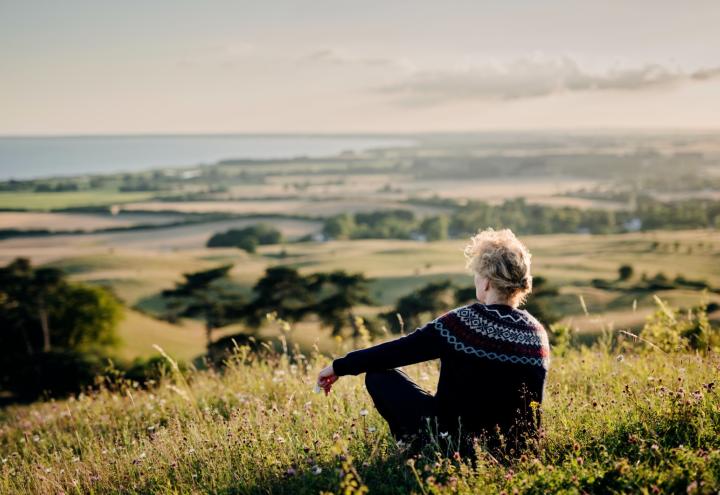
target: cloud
534 77
334 57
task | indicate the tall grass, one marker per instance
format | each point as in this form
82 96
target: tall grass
637 423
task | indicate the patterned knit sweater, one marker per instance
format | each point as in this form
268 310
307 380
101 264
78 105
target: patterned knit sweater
494 360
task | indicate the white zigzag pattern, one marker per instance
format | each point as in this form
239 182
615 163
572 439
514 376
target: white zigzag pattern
520 319
504 358
487 328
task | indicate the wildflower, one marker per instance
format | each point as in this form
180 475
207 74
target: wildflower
363 412
316 470
444 434
620 358
290 472
36 438
372 429
400 443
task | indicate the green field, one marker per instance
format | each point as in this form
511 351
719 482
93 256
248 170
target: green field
55 200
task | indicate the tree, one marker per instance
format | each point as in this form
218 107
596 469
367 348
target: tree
202 295
435 228
52 332
338 293
283 290
625 272
433 298
41 310
248 238
339 226
539 301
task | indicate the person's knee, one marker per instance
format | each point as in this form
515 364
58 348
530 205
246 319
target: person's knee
374 380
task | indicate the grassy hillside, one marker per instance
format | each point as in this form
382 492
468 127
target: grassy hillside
615 422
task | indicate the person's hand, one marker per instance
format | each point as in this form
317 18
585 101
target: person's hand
326 378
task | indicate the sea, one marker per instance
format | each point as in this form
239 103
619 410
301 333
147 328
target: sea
38 157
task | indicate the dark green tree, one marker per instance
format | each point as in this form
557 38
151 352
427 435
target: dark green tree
40 310
205 295
52 331
247 238
625 272
337 293
283 290
432 299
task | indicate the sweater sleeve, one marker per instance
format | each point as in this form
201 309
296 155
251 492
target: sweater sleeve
423 344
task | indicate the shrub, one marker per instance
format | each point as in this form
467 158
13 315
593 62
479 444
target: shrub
247 238
672 330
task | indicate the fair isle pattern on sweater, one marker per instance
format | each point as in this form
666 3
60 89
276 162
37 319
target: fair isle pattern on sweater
496 331
491 334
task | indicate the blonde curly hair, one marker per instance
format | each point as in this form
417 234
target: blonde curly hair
504 260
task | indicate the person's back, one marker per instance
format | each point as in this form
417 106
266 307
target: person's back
494 359
493 369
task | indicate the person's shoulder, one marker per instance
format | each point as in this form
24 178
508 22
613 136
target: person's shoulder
455 312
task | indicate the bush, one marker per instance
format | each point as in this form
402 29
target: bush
672 330
247 238
54 373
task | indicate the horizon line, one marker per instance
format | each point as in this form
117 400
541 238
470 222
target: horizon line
552 130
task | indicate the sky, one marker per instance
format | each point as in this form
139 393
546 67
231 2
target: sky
337 66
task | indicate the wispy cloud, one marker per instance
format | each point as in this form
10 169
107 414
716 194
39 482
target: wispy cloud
532 77
335 57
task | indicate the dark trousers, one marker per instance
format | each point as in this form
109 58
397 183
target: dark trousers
403 403
412 414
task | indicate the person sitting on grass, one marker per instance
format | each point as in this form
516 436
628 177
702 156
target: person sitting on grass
494 360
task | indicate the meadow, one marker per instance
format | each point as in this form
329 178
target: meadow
616 420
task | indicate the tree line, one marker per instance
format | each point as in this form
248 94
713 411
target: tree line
523 218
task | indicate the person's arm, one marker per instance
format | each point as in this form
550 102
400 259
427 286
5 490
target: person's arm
424 344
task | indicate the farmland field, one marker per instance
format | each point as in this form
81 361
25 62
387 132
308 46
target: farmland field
80 221
56 200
